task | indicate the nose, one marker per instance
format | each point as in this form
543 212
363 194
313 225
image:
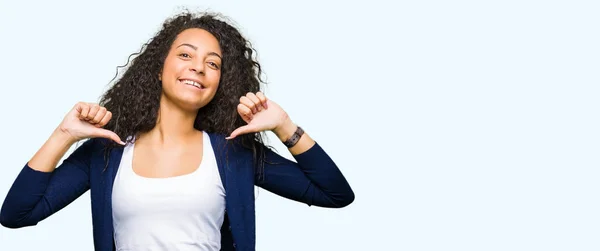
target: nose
197 66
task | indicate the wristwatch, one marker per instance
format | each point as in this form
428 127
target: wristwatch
294 138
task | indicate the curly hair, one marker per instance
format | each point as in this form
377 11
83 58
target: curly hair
135 97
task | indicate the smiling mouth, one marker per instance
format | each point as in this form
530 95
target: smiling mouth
192 83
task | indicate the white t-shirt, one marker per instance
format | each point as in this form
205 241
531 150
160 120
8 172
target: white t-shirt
176 213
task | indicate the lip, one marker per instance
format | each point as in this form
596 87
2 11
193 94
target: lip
192 79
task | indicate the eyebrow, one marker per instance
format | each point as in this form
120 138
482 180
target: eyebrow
196 48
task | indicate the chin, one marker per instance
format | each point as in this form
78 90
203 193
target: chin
190 100
193 105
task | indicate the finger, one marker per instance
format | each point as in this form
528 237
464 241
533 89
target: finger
83 109
245 112
241 130
99 116
93 111
262 98
247 102
255 100
109 135
105 119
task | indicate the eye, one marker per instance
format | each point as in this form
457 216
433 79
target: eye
214 65
185 55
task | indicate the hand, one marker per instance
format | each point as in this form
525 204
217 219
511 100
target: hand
86 120
260 114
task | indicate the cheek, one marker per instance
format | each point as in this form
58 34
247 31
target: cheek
216 85
215 77
172 66
166 71
215 82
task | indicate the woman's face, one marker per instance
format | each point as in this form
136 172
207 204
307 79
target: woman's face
192 69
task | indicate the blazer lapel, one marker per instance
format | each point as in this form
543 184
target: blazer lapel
219 148
108 178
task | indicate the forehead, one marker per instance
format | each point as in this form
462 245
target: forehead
199 38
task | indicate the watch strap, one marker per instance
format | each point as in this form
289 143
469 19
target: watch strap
293 140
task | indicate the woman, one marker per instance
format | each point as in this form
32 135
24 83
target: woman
174 150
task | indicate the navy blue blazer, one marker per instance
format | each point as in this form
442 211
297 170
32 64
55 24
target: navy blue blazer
313 179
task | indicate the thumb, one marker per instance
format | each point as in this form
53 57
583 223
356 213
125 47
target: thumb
241 130
109 135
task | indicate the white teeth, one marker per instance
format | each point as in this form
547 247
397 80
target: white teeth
190 82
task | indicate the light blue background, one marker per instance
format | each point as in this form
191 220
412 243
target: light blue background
461 125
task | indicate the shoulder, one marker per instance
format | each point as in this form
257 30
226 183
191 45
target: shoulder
220 141
233 147
95 147
95 144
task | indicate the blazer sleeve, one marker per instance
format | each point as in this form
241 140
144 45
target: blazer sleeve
314 179
35 195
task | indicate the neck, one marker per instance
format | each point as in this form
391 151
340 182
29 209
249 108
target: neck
174 125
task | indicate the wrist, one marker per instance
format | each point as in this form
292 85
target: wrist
62 136
285 130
